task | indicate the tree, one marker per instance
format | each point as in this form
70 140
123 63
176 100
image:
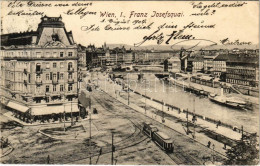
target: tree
245 152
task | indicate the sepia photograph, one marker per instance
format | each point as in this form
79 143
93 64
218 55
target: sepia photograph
129 82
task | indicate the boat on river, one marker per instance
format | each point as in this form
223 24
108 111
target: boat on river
234 102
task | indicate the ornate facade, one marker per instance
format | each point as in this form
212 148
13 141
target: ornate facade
39 70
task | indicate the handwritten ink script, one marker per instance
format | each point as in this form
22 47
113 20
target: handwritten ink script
170 23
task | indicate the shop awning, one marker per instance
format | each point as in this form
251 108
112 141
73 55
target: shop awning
48 110
17 106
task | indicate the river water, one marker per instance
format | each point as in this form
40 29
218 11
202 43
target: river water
174 95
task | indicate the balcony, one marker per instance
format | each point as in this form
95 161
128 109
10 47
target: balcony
26 94
55 82
71 70
38 82
39 71
71 93
39 94
70 81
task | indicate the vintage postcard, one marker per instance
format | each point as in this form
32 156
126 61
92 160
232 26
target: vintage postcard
129 82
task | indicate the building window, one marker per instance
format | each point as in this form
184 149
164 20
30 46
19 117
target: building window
47 88
69 87
38 67
38 78
70 66
38 54
54 65
38 89
70 76
61 65
61 54
38 100
47 76
61 88
61 76
54 54
47 65
54 88
70 98
47 99
47 54
70 53
54 76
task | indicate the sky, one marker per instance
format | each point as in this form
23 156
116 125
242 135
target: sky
235 23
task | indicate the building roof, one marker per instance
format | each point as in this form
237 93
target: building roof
198 58
24 38
243 58
174 59
221 57
55 29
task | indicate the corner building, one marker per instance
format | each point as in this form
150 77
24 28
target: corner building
39 72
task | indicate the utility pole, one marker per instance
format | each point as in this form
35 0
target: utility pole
90 131
64 127
162 112
112 157
71 114
128 88
145 94
194 118
242 131
213 155
187 116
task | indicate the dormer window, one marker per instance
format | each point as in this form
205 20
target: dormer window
55 37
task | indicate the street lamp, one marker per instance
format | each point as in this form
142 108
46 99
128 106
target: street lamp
145 94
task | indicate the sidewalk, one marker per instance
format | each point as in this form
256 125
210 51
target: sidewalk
205 124
9 115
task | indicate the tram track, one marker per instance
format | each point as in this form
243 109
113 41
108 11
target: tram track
182 157
179 156
131 140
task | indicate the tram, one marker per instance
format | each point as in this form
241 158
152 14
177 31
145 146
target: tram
160 138
163 141
149 129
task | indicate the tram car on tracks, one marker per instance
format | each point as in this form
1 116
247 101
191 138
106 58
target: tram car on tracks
163 140
149 129
160 138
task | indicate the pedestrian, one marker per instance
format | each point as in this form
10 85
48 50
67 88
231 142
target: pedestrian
218 124
209 143
48 159
225 146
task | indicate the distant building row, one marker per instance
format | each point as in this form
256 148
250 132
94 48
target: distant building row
240 67
104 56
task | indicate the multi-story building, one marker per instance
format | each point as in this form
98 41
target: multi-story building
81 56
186 60
92 59
198 64
128 57
209 56
39 71
174 64
243 69
219 64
